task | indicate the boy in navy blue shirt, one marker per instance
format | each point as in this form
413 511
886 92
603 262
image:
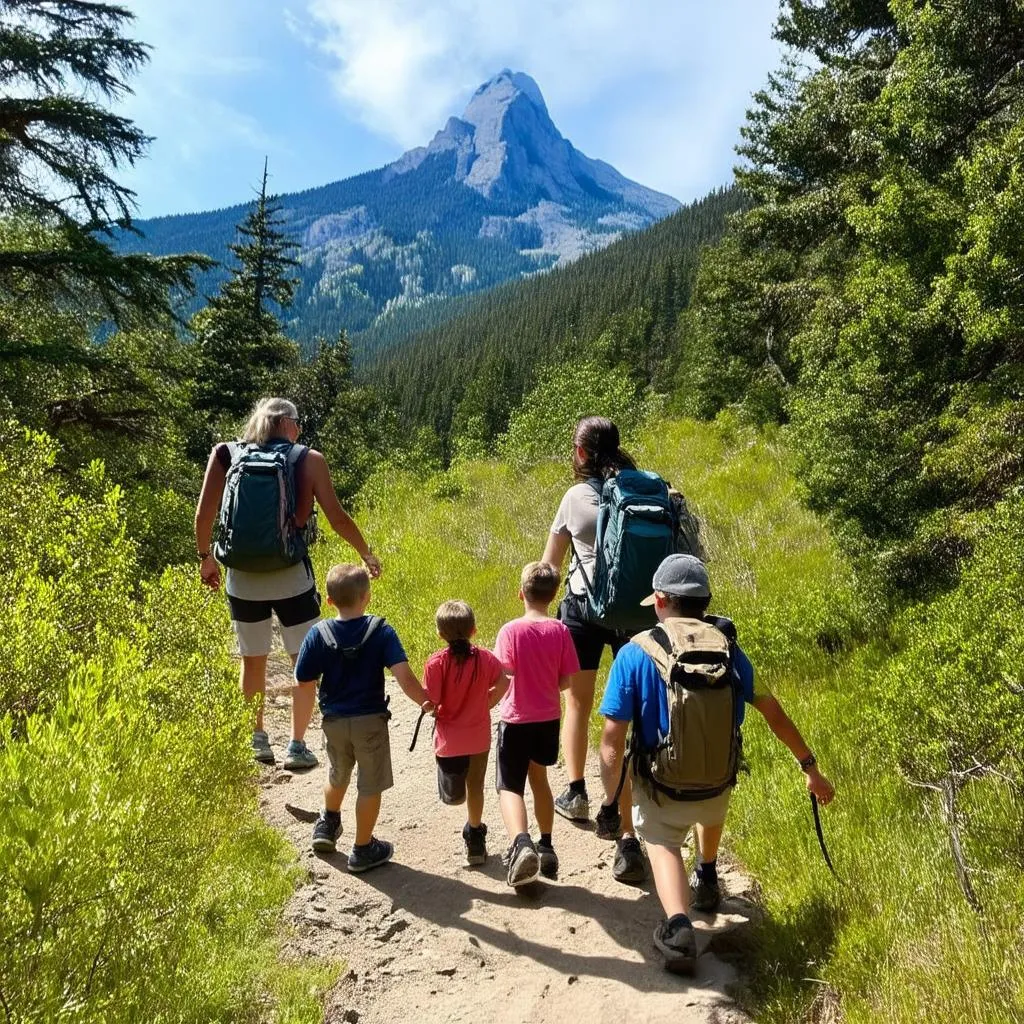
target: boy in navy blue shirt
348 655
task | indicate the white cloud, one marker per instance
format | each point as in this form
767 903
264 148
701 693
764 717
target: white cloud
663 83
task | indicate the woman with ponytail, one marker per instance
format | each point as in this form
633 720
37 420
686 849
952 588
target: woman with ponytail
597 456
463 682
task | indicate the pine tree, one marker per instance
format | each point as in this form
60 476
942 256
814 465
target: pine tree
239 339
60 148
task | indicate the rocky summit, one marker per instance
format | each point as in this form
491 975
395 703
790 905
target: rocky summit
498 193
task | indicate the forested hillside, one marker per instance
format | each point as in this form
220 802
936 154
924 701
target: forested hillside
619 306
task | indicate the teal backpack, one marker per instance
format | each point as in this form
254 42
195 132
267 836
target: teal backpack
637 527
256 527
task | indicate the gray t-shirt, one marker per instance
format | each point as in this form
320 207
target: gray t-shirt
577 517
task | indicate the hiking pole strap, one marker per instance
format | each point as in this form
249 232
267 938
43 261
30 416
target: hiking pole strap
821 835
416 731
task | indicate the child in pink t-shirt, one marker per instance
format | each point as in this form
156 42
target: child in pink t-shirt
538 653
463 682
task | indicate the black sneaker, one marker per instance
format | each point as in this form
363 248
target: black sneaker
476 843
608 822
629 865
522 861
325 832
704 896
548 860
372 855
677 943
574 806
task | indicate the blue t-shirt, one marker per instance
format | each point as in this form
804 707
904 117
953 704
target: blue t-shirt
350 686
635 685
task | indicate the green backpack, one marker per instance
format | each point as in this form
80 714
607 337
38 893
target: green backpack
256 527
699 757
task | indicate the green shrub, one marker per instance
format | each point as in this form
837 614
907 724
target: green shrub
137 879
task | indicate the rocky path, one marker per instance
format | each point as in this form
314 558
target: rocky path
429 940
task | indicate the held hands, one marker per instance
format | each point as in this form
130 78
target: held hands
372 564
819 786
209 572
429 708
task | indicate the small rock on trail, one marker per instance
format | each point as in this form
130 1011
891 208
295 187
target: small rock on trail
425 938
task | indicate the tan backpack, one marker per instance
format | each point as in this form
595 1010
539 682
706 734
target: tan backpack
699 757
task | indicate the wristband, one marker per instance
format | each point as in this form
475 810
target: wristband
807 762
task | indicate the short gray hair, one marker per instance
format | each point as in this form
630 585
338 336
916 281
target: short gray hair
266 417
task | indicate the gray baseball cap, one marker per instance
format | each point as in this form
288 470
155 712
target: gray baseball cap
681 576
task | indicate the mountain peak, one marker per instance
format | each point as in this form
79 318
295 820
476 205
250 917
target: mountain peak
501 90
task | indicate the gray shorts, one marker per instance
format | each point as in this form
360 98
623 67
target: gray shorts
668 822
364 741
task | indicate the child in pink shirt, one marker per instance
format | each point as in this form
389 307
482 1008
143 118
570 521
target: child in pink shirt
538 653
463 682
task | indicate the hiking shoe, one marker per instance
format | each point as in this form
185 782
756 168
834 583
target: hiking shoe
372 855
677 943
629 865
325 832
522 861
476 843
261 749
608 822
705 896
299 755
574 806
548 860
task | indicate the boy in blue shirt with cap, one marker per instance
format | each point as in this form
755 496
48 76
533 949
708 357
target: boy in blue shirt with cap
683 686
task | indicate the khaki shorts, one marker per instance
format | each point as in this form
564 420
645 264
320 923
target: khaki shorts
668 822
363 741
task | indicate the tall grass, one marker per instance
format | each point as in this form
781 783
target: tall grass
893 939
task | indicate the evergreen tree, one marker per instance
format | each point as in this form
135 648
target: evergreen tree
239 338
59 151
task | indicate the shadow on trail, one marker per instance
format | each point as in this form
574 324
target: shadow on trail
450 902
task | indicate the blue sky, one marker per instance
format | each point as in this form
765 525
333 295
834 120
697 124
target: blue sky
329 88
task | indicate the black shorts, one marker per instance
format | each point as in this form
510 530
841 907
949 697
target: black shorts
454 774
290 611
588 638
519 743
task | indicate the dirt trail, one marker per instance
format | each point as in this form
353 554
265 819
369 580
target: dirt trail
430 940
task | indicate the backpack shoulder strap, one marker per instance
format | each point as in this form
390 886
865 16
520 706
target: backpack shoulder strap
323 627
376 621
656 644
296 453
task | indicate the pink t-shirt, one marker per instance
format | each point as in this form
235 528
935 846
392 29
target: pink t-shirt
536 653
459 689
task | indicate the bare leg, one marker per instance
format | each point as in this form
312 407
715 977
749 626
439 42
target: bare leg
474 802
579 702
253 679
543 801
626 806
513 813
670 879
303 699
709 838
333 795
367 810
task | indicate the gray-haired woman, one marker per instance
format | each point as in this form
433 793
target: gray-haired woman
288 593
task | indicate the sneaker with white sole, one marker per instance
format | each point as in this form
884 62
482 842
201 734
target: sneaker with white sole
574 806
299 756
261 749
371 855
326 830
522 861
